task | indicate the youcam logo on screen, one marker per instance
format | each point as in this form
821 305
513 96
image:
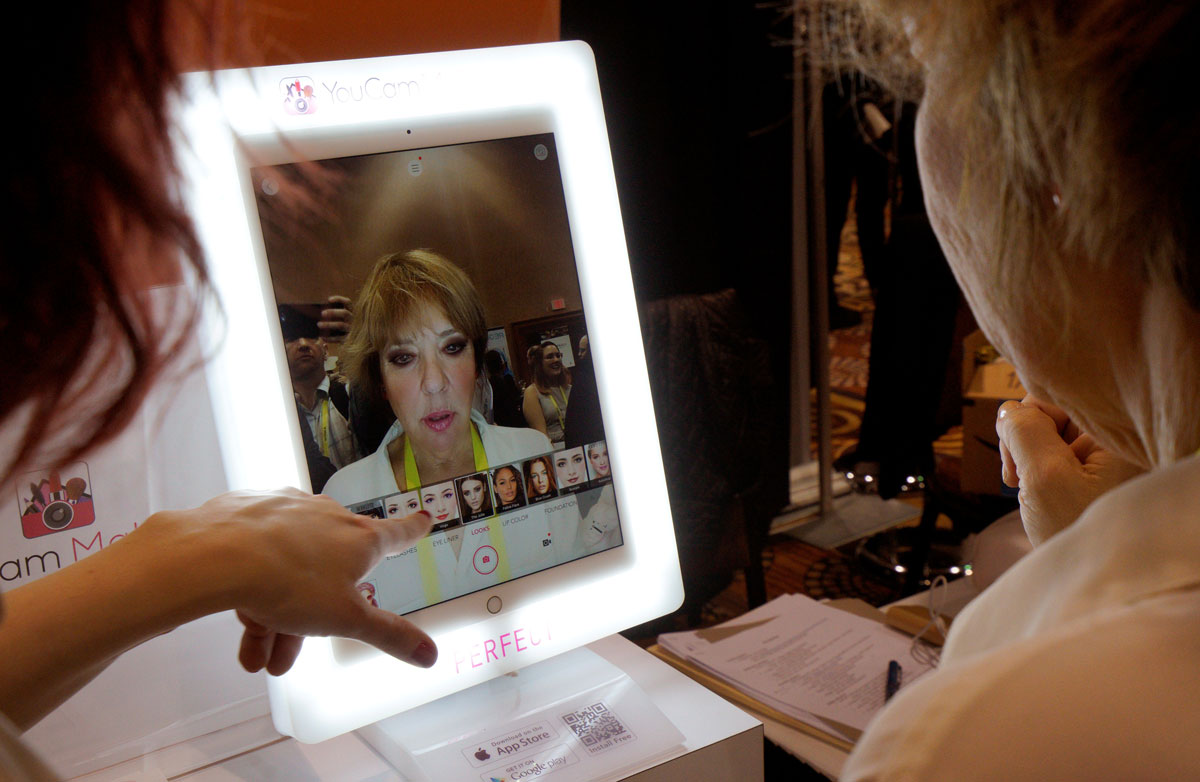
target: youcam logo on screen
299 95
373 88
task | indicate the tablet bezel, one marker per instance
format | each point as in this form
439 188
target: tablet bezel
234 120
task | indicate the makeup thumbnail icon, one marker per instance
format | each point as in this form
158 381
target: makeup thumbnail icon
50 503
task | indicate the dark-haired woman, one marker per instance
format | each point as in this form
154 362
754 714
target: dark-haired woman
545 404
91 342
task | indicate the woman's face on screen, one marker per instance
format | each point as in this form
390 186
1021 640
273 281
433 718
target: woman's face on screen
598 456
506 485
439 501
401 505
429 379
539 477
552 360
569 467
472 492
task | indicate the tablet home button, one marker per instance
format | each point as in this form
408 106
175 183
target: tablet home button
494 604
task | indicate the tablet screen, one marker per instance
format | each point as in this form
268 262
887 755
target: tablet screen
490 424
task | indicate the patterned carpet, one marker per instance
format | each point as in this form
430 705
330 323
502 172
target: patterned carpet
796 567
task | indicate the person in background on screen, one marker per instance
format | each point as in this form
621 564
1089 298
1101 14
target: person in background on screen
92 340
583 421
323 402
531 357
369 418
545 404
506 399
483 399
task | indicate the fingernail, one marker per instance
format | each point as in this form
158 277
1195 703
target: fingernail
425 655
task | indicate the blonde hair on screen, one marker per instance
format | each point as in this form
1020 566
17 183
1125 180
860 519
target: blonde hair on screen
398 286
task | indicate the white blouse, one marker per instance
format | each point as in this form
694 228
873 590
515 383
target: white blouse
1082 662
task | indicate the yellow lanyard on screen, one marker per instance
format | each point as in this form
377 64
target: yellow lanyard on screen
412 481
323 426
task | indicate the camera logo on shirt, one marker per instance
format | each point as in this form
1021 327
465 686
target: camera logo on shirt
299 95
55 500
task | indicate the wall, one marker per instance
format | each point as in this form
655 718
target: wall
274 33
493 208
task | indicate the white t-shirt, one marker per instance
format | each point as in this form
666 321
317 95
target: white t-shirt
1082 662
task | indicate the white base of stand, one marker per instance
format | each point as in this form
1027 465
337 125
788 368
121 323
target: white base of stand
520 726
718 741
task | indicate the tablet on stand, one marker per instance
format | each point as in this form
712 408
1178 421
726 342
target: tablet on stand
301 178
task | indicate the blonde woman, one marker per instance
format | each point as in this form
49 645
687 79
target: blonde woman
1059 168
417 342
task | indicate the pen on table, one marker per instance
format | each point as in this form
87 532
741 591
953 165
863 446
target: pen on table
893 680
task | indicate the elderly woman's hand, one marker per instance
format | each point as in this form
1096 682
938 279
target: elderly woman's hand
1058 469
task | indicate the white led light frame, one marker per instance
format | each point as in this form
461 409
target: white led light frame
231 120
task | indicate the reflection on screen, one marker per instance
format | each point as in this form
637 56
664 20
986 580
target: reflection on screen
452 389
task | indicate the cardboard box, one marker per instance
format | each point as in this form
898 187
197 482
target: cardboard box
985 388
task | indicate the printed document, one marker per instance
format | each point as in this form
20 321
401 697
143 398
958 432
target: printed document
814 662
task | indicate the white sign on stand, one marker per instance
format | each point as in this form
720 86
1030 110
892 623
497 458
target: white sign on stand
576 713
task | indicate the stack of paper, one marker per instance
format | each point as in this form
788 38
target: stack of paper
819 665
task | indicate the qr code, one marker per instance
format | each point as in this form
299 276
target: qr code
594 725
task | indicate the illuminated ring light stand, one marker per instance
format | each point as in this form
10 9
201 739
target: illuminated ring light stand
235 119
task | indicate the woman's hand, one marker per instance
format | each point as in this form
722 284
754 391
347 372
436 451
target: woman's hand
1058 469
289 563
301 558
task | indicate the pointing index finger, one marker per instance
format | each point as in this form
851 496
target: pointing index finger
398 534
